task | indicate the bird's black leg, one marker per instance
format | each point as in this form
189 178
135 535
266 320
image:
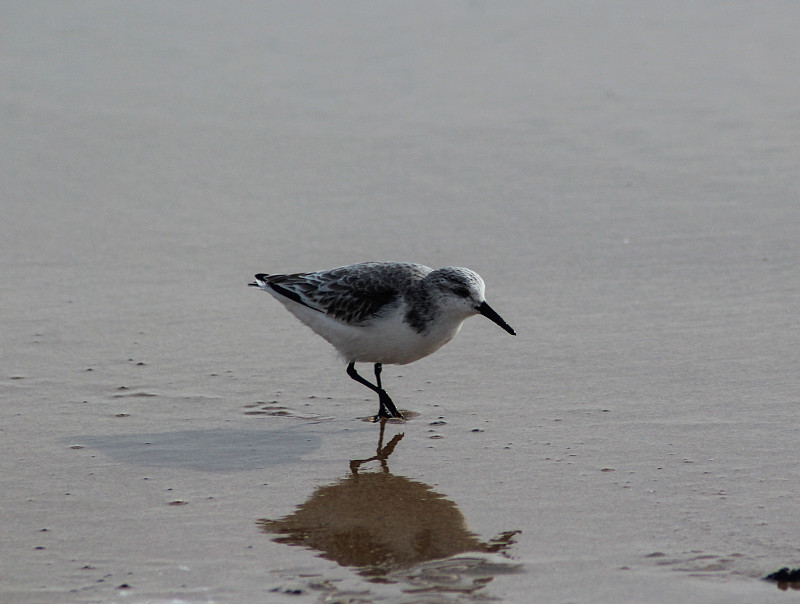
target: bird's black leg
387 401
387 408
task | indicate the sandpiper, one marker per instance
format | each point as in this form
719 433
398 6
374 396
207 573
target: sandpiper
383 312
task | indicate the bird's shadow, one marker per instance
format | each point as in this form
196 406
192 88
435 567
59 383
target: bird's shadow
391 528
215 450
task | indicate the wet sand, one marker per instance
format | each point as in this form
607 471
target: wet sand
624 178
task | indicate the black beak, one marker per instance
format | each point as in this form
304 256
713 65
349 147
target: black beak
488 312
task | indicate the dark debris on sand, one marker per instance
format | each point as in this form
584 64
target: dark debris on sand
785 578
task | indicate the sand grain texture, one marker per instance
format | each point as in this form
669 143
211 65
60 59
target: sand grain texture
624 178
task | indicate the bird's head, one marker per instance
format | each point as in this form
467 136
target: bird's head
460 290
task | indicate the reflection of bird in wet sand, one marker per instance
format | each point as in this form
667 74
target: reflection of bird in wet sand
383 312
380 522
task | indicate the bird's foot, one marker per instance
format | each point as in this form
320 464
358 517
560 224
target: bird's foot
387 408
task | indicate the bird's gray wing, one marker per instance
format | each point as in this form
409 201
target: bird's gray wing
347 296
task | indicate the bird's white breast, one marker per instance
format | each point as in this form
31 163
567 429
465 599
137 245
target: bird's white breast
388 339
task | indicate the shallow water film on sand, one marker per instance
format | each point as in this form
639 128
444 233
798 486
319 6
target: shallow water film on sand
622 175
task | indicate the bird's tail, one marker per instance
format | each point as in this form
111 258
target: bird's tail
261 281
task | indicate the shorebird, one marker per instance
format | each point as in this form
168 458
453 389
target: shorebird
383 312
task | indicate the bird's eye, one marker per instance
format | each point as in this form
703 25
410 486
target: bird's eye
461 292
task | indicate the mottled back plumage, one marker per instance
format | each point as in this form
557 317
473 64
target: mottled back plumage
353 297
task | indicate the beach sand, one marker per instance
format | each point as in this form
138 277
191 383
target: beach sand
623 176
